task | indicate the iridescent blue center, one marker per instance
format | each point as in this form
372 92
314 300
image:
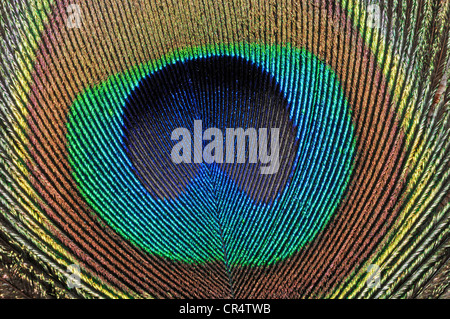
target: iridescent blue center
119 146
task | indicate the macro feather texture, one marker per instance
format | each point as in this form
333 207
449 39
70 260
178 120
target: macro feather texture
92 204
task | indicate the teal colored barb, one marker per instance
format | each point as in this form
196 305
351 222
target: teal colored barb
190 228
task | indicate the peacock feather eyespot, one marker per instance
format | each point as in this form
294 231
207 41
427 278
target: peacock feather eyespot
216 149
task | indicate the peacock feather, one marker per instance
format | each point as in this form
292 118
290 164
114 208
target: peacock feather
348 99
